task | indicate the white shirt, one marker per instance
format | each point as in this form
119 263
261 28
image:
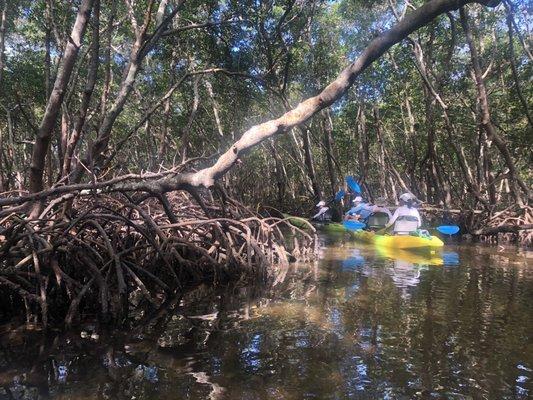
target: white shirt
405 211
322 210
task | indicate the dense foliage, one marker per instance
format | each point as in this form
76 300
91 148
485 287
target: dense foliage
414 120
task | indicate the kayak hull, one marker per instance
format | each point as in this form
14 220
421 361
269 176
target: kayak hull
327 227
403 242
414 257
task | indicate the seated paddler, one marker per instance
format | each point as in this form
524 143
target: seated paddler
406 219
323 214
380 216
360 210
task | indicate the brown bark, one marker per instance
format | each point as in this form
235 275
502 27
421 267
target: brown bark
3 13
11 164
3 20
393 169
381 155
501 229
509 6
42 141
215 106
309 163
161 152
485 117
140 48
184 137
74 137
107 58
3 184
363 150
47 45
281 182
328 143
409 129
514 70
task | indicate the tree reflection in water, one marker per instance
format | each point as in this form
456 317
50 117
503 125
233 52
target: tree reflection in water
357 324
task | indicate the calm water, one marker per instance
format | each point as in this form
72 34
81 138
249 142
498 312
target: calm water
356 325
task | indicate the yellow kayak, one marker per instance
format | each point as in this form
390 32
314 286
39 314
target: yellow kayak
434 258
406 242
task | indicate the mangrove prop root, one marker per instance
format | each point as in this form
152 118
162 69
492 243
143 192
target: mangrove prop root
513 224
113 250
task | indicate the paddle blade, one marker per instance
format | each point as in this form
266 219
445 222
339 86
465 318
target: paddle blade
352 183
339 195
448 229
353 225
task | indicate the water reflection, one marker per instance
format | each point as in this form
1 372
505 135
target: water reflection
404 267
450 258
360 323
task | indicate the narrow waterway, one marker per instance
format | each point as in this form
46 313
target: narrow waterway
357 324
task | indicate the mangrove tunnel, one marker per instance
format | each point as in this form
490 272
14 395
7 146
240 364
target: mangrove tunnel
162 157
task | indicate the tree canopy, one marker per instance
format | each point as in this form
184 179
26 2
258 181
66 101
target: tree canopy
149 90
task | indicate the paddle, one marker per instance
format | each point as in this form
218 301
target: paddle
340 194
448 229
352 183
354 225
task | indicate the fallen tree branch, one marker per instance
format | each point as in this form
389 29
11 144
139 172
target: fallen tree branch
501 229
451 211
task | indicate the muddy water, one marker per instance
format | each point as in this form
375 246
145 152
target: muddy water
357 324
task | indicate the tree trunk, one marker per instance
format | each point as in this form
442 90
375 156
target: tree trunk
362 152
328 143
162 149
308 155
42 141
450 128
514 70
107 59
184 137
140 48
215 107
279 170
381 156
3 180
524 43
92 72
3 11
486 121
3 17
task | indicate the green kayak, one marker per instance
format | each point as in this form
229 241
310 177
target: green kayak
327 227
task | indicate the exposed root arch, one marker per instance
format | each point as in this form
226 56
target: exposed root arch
116 255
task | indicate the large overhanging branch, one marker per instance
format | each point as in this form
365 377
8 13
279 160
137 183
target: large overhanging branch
206 177
306 109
